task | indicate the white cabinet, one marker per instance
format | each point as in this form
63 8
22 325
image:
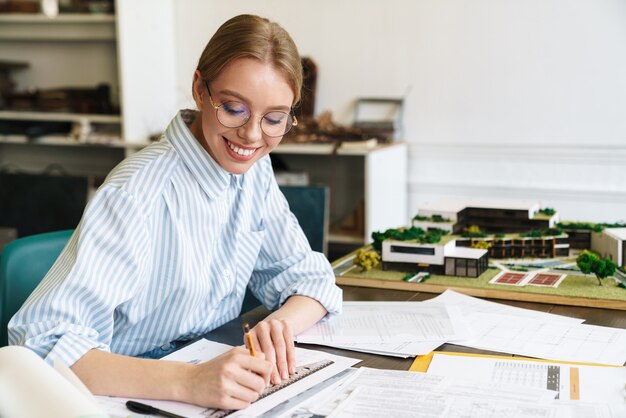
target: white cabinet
132 51
368 187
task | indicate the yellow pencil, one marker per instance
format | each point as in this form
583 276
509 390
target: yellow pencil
248 337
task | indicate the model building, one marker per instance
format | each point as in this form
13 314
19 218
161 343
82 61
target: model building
456 237
491 216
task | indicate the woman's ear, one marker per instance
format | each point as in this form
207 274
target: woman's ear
198 89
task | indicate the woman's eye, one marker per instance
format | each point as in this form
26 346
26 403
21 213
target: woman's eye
235 108
275 118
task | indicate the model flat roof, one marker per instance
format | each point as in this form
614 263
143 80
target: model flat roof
619 233
445 239
458 204
464 252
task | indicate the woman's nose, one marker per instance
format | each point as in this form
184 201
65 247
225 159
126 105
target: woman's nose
251 130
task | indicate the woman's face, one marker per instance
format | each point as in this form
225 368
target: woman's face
258 86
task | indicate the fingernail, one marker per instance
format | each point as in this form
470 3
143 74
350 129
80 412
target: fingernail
284 375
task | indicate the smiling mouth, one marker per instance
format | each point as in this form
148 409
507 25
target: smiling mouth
244 152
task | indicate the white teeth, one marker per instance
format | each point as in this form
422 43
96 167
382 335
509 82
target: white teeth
240 151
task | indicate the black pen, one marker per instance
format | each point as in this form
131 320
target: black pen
142 408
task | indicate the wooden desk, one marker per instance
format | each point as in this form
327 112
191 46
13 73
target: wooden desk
231 333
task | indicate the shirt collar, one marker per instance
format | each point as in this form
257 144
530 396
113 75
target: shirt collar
237 180
208 173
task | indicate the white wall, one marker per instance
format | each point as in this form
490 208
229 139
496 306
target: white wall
508 98
146 33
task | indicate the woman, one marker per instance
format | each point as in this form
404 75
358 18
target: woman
168 244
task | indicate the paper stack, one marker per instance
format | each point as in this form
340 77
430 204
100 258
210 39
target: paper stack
399 329
415 328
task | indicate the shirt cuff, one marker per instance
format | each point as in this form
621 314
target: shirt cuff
71 347
323 290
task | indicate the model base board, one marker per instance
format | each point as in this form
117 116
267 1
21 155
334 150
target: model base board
573 289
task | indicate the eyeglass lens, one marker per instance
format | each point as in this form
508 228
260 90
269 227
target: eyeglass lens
235 114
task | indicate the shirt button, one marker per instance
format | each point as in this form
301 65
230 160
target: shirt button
227 273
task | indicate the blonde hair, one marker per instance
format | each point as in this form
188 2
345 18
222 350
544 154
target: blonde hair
250 36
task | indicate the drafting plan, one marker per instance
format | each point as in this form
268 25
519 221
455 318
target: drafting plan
394 393
387 322
469 304
573 381
538 374
498 327
372 403
547 340
402 349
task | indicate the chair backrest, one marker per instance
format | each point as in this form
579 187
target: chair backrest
23 263
310 205
40 203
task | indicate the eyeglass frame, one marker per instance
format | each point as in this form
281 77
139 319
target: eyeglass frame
294 121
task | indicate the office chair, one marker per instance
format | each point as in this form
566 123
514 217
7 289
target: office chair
23 263
310 205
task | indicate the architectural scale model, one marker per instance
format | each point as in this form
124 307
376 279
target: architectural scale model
499 249
469 232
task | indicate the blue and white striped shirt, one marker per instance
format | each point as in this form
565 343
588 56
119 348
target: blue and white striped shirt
164 252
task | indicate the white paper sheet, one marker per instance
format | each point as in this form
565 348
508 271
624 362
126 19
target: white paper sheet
402 349
547 340
387 322
204 350
469 304
591 383
198 352
402 393
370 403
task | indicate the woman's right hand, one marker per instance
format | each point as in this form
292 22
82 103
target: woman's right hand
231 381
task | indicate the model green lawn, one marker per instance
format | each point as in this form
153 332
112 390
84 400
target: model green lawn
572 285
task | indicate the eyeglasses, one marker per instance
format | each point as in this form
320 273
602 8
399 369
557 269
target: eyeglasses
233 114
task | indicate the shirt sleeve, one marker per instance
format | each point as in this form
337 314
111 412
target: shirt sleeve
286 264
103 265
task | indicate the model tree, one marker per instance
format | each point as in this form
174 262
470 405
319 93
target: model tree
367 260
432 236
589 262
481 245
473 231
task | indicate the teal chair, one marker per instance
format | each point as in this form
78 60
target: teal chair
23 263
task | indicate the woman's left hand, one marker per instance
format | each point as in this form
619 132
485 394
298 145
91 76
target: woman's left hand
274 338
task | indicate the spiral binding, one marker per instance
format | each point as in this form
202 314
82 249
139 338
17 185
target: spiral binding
301 373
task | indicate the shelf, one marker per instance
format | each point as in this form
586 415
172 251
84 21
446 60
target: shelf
66 141
60 19
58 116
83 50
64 27
312 149
342 238
367 186
327 149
